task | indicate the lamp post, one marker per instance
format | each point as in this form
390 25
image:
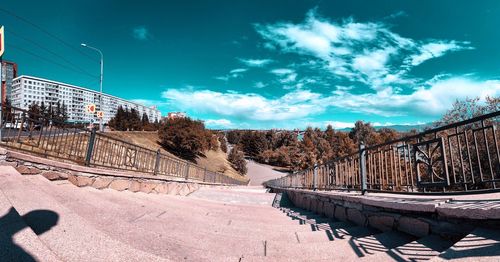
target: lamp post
101 126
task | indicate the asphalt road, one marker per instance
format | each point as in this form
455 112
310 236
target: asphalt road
259 173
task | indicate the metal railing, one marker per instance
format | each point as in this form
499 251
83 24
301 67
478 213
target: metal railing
46 136
460 157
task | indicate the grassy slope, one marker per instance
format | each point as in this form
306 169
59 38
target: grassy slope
213 160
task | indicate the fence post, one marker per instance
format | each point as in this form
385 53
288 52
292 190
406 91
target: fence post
362 167
315 177
157 162
90 148
187 172
204 174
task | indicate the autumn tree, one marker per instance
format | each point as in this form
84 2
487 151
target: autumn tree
363 133
183 137
253 143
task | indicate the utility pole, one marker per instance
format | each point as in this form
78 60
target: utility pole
2 49
101 125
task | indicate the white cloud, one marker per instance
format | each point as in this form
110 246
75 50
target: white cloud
282 71
238 70
259 85
218 123
297 105
294 105
285 75
433 50
234 73
141 33
338 124
431 100
367 52
256 62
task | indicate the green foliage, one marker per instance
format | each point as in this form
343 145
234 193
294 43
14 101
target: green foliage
125 120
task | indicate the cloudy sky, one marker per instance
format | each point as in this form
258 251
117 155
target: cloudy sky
268 64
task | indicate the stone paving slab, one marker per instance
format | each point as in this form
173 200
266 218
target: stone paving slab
486 209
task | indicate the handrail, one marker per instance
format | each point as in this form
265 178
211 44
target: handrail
92 148
460 160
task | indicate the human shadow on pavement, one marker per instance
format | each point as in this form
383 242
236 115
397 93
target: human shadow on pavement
40 221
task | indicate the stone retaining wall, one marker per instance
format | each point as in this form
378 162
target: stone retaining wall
415 217
95 177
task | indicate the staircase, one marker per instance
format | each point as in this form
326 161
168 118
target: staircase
212 224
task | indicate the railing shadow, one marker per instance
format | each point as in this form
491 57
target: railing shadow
478 244
40 221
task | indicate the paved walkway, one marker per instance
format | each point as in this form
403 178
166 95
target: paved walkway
216 224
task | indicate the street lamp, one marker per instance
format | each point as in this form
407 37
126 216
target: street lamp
101 126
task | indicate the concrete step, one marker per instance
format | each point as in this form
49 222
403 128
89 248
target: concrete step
234 196
72 239
113 200
170 240
174 207
348 248
422 249
481 244
309 218
336 233
150 233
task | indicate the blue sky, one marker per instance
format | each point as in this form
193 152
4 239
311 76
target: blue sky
268 64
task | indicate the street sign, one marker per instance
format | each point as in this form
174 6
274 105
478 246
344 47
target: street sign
100 114
90 108
2 43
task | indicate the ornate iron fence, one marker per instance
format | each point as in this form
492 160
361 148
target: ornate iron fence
460 157
49 137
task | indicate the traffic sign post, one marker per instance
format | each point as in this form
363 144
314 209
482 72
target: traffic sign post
90 108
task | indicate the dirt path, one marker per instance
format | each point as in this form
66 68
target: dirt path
258 173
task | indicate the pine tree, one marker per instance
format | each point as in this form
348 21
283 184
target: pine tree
134 120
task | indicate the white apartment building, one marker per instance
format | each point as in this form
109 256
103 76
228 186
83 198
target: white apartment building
28 89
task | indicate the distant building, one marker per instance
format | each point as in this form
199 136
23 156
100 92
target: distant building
172 115
9 72
28 89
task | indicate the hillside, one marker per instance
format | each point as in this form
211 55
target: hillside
213 160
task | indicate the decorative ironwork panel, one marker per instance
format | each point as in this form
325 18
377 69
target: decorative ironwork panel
430 163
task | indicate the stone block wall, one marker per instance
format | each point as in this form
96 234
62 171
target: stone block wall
84 176
417 223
